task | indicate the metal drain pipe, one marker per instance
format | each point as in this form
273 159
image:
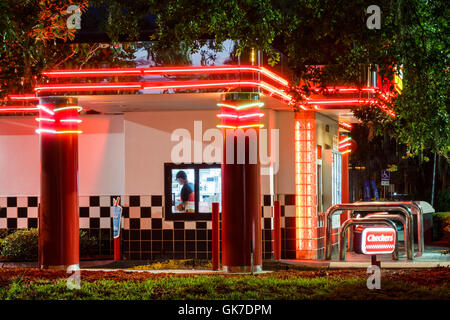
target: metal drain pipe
376 207
362 221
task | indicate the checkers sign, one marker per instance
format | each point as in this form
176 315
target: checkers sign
378 240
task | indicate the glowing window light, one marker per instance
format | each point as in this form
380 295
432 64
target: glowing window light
78 108
305 183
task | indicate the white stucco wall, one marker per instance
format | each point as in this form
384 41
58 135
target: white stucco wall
325 139
285 179
101 156
148 145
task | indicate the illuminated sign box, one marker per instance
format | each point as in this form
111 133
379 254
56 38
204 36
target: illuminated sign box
374 240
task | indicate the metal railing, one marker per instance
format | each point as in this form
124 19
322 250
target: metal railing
373 207
363 221
383 215
418 208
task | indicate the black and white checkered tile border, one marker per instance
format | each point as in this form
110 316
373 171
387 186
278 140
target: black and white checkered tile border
145 231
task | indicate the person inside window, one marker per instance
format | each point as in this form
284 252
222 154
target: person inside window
187 192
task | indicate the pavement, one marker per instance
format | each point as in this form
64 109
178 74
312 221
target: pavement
432 257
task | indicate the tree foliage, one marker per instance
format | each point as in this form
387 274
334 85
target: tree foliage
326 43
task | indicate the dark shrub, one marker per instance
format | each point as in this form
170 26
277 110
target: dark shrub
3 233
22 245
443 201
88 245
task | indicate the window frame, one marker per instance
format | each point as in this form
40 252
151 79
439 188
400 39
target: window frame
193 216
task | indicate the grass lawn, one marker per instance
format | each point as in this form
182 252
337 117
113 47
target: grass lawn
16 283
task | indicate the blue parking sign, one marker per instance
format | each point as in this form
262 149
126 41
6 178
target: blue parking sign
385 175
117 215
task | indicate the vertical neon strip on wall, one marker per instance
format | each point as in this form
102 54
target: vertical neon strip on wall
305 185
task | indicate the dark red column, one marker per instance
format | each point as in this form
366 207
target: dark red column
215 236
58 216
241 195
345 185
276 230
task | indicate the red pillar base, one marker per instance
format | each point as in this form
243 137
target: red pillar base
117 249
58 213
241 195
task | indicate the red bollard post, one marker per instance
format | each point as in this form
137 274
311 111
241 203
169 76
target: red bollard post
117 226
277 230
117 248
215 236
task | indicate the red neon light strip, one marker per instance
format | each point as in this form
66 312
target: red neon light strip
89 87
162 86
247 126
340 101
78 108
345 125
44 108
259 125
192 70
45 119
23 97
11 109
92 72
344 145
215 83
71 120
259 115
241 107
346 89
233 116
39 131
164 70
